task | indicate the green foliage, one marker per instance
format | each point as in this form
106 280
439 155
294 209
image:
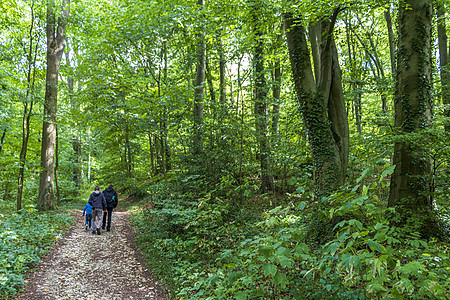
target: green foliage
25 238
205 248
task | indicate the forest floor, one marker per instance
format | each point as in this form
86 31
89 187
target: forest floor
87 266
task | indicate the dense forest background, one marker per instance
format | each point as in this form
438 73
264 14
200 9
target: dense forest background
269 149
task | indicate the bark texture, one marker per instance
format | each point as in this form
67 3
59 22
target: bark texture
413 105
322 104
55 47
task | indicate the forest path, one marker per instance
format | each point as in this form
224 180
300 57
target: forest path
87 266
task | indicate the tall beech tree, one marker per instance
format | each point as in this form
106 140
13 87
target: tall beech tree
321 100
55 31
410 182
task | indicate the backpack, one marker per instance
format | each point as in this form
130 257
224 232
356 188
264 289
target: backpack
111 200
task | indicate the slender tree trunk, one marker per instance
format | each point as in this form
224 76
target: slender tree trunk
2 140
413 111
387 16
356 93
276 93
152 152
198 96
55 47
76 139
222 78
314 39
443 62
261 103
27 111
58 194
209 79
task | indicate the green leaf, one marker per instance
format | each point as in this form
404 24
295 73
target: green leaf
280 279
269 269
412 268
388 171
302 205
375 246
241 296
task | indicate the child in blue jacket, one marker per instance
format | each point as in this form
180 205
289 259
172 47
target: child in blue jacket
88 211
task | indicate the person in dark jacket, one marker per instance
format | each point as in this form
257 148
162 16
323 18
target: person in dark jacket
111 203
98 202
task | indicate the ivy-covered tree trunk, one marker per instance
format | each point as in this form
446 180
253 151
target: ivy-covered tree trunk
261 118
410 182
322 105
55 47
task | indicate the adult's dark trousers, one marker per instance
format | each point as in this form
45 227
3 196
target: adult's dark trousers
108 214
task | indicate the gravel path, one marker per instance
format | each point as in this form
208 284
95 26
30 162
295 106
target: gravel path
87 266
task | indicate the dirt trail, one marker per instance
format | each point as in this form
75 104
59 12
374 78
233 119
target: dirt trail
87 266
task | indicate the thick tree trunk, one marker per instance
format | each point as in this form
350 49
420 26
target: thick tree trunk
410 182
443 62
328 167
55 47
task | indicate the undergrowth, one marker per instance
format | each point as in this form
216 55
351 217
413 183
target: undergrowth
26 237
218 247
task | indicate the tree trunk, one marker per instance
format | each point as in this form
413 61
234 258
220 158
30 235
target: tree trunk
356 93
261 103
152 152
76 139
2 140
320 105
58 194
443 61
387 16
55 47
198 95
413 111
276 93
27 111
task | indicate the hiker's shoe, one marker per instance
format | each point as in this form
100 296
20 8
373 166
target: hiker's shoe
93 231
103 227
98 231
86 228
108 229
